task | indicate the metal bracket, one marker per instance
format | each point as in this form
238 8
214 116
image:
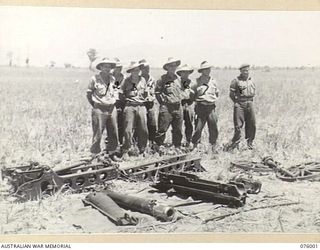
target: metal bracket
150 171
35 181
231 194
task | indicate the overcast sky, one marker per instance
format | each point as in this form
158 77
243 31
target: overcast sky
221 37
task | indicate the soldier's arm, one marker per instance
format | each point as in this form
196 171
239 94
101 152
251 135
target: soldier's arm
253 90
89 97
90 91
214 82
192 91
232 93
121 90
152 88
195 90
158 91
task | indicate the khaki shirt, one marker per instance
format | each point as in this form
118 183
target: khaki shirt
151 84
117 84
102 89
168 89
134 92
207 92
243 89
187 92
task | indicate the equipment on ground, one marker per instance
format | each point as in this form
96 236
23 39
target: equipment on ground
232 194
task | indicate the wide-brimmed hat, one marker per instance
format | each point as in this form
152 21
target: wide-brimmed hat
170 61
204 65
244 65
185 67
105 61
132 66
117 61
143 63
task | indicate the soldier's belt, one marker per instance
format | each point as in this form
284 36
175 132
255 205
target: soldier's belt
103 107
134 104
188 102
175 105
206 105
242 99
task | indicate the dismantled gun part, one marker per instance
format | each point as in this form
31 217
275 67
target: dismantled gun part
304 171
151 207
250 166
108 207
32 181
150 170
251 186
232 194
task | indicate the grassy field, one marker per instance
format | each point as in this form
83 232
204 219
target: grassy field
44 116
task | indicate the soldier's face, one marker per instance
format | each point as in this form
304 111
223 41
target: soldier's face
206 72
106 67
172 67
244 72
135 71
184 74
117 70
145 70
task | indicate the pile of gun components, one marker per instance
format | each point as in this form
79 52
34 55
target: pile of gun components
172 174
306 171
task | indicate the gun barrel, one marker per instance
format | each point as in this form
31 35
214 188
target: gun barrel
165 213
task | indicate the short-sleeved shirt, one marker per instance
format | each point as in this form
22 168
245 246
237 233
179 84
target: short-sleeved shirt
134 92
187 89
206 91
118 79
243 89
151 84
168 89
102 89
117 84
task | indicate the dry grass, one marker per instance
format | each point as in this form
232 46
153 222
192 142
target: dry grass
44 116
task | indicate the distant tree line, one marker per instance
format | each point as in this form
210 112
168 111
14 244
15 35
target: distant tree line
93 55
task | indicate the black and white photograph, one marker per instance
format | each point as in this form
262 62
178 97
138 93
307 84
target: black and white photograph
159 121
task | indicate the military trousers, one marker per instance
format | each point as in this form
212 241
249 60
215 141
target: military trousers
243 115
135 117
151 120
188 118
104 117
120 107
206 114
170 114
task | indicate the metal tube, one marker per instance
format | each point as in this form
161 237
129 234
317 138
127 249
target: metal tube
165 213
108 207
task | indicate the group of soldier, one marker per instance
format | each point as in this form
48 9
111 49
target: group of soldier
126 106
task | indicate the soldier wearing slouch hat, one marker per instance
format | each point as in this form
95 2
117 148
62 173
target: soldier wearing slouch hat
206 95
169 95
102 95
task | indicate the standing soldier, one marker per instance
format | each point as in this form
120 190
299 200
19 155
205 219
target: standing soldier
187 100
242 91
151 112
134 92
206 94
168 94
102 97
119 77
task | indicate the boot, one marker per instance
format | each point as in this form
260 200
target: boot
250 145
